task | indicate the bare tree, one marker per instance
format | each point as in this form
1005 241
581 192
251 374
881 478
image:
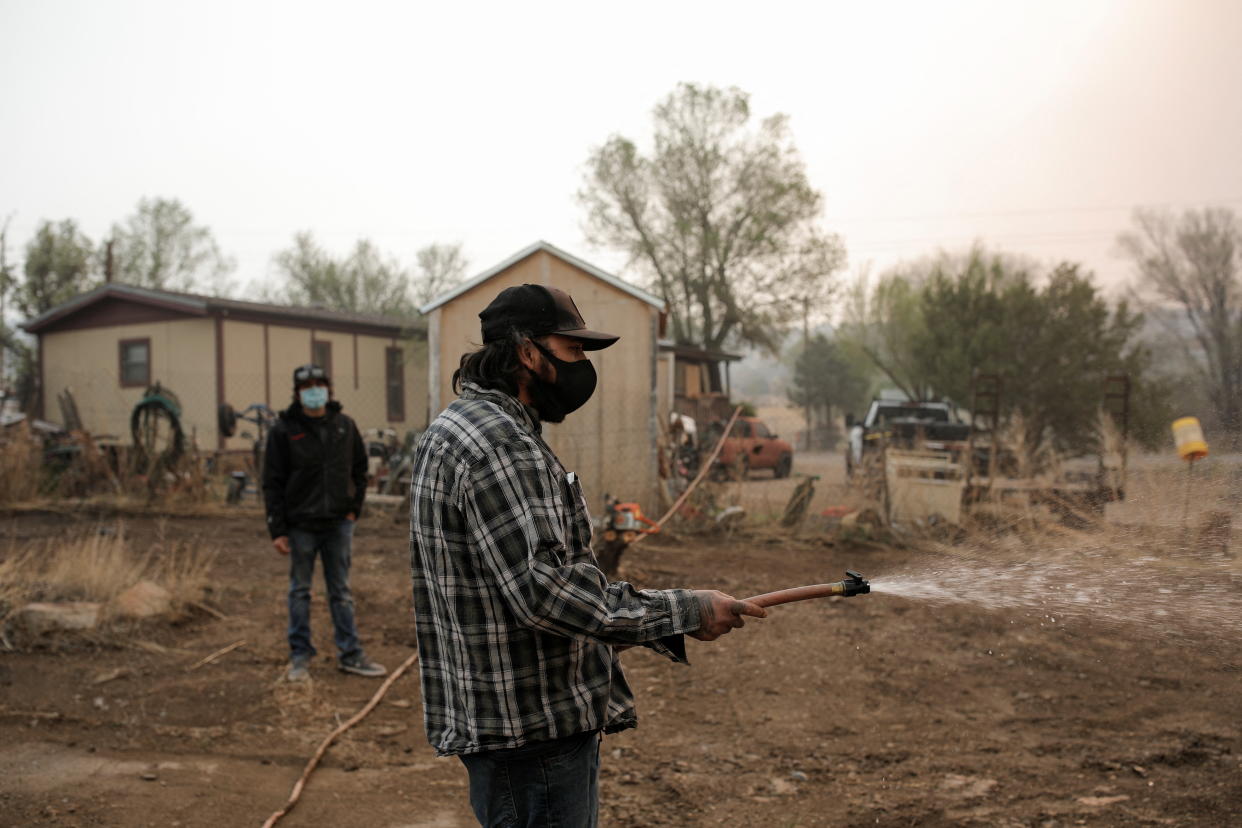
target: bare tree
721 217
441 267
1194 261
881 325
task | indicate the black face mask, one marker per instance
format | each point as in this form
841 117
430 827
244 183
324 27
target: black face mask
574 385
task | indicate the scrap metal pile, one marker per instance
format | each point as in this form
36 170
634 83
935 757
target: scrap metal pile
68 460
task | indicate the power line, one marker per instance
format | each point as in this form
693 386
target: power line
1028 211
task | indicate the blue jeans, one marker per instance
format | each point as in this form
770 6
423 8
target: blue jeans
333 545
553 783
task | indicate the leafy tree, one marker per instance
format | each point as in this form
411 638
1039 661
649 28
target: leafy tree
1059 344
827 380
1052 342
1194 261
59 266
161 247
365 281
8 281
23 370
719 215
8 278
441 267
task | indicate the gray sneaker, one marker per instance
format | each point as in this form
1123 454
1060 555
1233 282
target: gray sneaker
299 670
362 666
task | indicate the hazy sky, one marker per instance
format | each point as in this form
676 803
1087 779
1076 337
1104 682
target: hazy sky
1034 127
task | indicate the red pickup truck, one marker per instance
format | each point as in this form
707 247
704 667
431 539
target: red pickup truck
750 445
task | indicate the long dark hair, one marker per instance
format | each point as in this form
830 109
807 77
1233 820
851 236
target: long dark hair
494 366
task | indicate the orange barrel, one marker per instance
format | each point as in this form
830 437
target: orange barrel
1188 435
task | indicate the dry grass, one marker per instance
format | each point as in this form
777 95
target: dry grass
1171 517
182 569
98 566
95 567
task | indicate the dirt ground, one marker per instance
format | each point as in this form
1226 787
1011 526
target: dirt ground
849 712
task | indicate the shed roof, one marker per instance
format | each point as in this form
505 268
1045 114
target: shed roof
553 250
193 304
693 353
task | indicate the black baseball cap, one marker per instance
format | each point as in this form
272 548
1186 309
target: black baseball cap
306 373
540 310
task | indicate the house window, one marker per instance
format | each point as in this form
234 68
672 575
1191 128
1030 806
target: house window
321 354
394 382
712 369
679 378
135 357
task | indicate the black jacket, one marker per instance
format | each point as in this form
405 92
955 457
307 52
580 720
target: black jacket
314 470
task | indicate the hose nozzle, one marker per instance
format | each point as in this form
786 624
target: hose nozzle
854 584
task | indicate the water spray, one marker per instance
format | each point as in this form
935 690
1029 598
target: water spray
854 584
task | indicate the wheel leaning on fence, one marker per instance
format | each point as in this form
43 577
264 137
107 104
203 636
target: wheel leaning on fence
155 426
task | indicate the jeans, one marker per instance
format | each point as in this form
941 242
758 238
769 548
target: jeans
333 545
553 783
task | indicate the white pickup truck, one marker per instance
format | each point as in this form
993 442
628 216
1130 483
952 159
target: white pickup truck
934 424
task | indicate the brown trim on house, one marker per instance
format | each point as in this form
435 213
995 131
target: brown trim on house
394 369
355 362
120 361
115 304
220 438
113 311
364 328
692 354
42 382
325 345
267 370
122 310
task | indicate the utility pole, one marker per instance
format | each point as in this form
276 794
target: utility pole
108 262
806 344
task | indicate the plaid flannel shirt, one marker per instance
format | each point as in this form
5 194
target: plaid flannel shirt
516 624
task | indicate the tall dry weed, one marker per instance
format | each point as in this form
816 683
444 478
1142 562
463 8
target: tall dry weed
21 464
1171 518
100 565
15 569
1114 452
182 568
95 567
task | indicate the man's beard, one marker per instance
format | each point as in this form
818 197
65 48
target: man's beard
543 399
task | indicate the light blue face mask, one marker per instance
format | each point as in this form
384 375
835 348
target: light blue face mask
314 397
